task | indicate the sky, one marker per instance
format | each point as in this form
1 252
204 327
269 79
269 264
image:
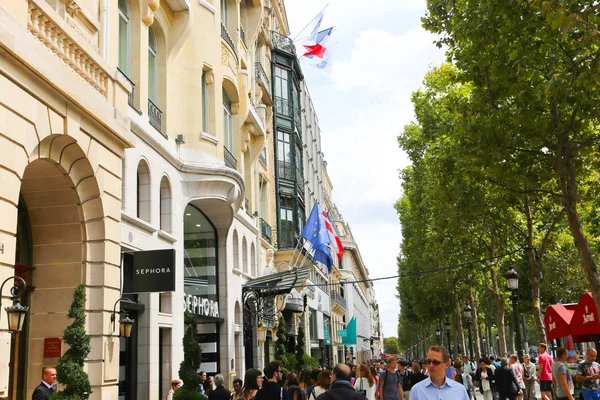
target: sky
381 56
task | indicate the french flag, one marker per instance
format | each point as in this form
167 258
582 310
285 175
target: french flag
319 47
336 243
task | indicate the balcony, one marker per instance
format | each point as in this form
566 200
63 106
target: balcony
266 231
283 107
225 36
339 299
263 79
131 95
285 238
283 43
155 116
300 182
230 160
285 170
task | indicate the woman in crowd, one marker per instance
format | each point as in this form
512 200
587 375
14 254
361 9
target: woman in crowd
485 377
376 376
175 384
323 383
253 381
365 382
294 391
209 385
418 375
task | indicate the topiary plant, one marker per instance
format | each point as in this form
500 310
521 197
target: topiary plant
69 368
281 341
300 346
192 357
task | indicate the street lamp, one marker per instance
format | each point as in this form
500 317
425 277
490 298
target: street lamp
498 343
438 335
512 282
468 313
125 324
484 340
261 332
447 327
15 313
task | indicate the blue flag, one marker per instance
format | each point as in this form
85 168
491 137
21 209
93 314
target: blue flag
315 231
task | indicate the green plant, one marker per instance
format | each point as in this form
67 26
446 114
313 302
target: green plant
310 362
281 341
192 357
300 346
69 367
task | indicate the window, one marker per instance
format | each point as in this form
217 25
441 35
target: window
253 271
284 156
124 37
236 251
200 255
165 204
227 123
143 191
224 16
205 100
245 255
152 66
282 83
286 222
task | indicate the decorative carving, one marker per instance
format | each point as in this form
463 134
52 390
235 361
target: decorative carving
60 43
227 59
73 9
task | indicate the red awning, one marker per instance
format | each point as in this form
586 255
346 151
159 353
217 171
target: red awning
584 322
557 320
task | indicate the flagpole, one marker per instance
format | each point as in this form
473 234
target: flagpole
298 246
294 39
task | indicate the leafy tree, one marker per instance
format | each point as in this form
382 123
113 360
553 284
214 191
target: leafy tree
391 345
192 358
281 341
69 368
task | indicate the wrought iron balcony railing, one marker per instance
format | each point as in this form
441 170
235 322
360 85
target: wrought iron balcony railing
243 36
131 95
285 170
300 182
286 238
230 160
225 36
266 231
262 78
155 116
283 43
338 298
297 118
283 107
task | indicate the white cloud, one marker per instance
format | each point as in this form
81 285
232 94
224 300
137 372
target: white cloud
363 105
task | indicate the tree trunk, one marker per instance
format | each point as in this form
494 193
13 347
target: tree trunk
535 276
500 307
565 165
459 327
475 325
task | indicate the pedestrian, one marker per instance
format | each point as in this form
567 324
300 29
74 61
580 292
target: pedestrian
271 390
45 390
418 375
304 379
405 374
545 373
588 372
561 377
365 383
517 369
463 377
253 381
310 392
175 384
507 385
202 376
529 378
438 386
376 376
237 389
340 388
390 386
219 392
294 391
485 377
323 383
209 385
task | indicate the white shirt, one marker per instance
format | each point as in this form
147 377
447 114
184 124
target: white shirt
365 386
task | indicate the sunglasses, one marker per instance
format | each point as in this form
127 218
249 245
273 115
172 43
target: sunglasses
434 362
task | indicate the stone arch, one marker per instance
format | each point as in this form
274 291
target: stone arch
236 251
245 255
144 192
166 197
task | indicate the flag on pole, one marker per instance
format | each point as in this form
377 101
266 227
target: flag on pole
319 53
336 243
317 234
314 25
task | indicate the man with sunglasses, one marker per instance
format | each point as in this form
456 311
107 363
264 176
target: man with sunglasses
271 390
437 386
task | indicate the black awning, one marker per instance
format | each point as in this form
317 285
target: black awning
280 282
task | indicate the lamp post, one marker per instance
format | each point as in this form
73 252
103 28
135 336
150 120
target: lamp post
438 335
484 340
498 343
512 283
447 327
15 313
468 313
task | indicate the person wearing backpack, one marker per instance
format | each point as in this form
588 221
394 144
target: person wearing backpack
390 382
463 377
405 373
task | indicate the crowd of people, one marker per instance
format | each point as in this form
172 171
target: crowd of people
436 377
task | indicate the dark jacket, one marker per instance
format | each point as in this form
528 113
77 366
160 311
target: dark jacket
297 391
490 378
271 391
506 381
42 392
416 377
341 390
220 393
